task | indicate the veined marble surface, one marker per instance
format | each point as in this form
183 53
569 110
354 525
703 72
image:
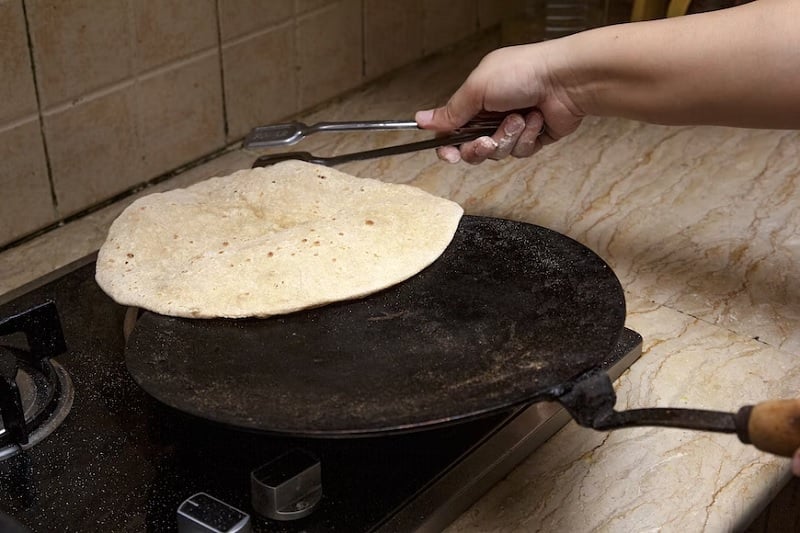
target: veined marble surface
701 226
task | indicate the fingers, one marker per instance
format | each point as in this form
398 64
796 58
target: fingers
478 150
517 136
507 135
455 113
530 139
451 154
464 104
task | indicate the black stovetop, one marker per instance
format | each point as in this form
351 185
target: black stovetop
123 462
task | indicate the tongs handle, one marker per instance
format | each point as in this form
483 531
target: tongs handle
454 139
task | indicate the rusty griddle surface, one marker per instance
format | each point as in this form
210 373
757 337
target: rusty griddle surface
509 311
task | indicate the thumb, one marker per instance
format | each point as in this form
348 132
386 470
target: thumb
457 112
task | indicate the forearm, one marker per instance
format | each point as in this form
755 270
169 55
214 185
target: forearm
737 67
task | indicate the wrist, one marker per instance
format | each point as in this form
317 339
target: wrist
567 82
586 72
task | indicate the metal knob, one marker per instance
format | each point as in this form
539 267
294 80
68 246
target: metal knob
202 513
288 487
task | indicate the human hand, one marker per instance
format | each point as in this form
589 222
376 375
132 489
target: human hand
513 78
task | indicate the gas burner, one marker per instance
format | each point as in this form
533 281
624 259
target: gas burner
36 393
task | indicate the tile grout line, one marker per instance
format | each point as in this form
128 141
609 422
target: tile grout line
295 58
255 34
134 76
40 116
221 62
363 40
16 123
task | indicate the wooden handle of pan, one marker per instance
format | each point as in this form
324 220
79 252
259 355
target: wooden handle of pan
772 426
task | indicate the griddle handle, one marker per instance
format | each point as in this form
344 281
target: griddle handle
590 401
772 426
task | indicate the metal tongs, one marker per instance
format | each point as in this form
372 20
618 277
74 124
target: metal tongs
293 132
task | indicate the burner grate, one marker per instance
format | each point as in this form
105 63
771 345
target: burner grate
36 393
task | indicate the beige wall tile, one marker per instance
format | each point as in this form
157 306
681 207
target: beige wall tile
445 22
179 114
17 96
26 203
240 17
329 57
93 150
304 6
392 34
79 45
259 88
167 30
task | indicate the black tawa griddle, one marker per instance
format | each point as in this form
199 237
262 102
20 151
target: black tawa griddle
509 311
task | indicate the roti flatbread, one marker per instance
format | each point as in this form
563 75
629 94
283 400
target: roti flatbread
271 241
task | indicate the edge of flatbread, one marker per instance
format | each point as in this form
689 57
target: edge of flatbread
270 241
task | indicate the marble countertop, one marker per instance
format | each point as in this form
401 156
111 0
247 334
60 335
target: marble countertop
701 226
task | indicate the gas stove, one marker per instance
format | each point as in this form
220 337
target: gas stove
83 448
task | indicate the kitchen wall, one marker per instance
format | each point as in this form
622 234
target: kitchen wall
97 97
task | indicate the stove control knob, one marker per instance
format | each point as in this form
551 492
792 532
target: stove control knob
202 513
288 487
